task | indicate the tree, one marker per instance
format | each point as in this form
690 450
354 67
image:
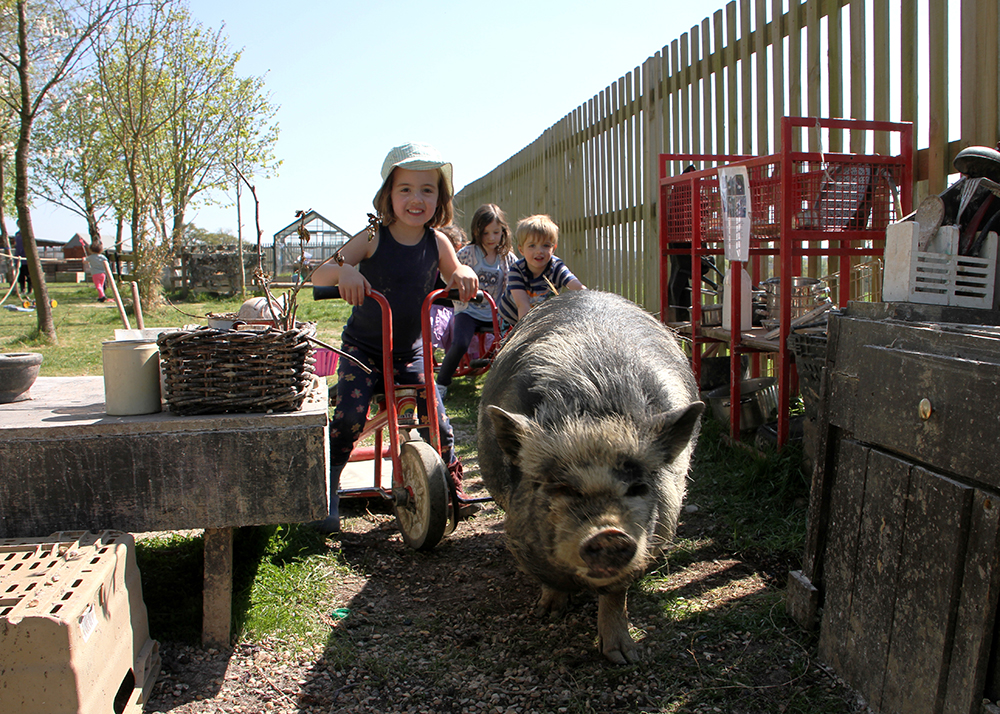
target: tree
50 41
134 74
178 114
217 116
76 166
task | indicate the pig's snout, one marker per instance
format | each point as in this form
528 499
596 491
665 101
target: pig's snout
607 552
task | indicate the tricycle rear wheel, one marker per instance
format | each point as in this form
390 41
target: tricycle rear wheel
424 515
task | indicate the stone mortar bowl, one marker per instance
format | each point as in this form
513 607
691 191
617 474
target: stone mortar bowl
18 371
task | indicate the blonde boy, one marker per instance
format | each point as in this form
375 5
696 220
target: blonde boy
539 274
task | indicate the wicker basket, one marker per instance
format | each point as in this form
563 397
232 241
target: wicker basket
810 356
209 371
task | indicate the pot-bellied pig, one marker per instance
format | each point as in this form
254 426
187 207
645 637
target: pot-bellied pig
588 419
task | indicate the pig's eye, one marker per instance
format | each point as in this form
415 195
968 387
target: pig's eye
637 490
561 488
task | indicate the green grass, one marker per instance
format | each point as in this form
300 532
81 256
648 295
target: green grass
82 324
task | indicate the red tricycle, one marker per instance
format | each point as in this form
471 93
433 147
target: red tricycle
426 504
485 345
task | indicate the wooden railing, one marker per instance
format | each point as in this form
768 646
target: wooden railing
722 88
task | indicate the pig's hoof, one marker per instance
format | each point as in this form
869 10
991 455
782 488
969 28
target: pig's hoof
619 649
553 602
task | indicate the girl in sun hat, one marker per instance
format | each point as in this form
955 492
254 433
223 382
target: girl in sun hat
402 262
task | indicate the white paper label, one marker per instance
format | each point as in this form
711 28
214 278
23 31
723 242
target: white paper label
88 622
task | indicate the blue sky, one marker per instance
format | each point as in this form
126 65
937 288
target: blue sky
478 80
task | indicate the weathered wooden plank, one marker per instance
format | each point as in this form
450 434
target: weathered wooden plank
835 80
859 70
967 675
842 554
880 543
926 593
706 84
718 68
795 15
733 110
694 88
881 77
761 101
746 147
152 481
813 68
960 394
778 71
938 100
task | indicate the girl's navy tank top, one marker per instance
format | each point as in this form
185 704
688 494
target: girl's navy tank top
405 275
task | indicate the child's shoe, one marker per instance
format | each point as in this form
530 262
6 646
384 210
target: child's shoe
462 508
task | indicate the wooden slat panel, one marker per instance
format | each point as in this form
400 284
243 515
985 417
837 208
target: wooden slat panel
937 126
533 180
835 73
926 596
795 15
777 71
760 59
840 559
977 608
746 147
881 82
718 68
986 92
732 146
813 68
652 145
856 640
706 85
694 88
633 177
859 73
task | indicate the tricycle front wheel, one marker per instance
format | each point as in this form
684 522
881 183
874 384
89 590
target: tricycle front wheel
423 515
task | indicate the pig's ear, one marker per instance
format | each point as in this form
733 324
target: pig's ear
510 430
673 430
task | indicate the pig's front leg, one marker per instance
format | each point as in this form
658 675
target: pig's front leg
552 602
612 629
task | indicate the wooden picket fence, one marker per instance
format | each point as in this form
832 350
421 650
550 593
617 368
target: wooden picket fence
722 88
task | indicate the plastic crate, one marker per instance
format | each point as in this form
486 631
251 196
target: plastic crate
938 275
74 636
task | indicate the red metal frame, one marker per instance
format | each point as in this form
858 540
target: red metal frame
386 415
465 368
787 191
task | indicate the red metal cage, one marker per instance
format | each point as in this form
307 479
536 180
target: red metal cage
829 205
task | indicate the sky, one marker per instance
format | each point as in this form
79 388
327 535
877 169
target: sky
478 80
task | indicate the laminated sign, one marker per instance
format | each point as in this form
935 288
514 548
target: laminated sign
734 188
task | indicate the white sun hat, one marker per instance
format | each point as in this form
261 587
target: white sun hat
417 157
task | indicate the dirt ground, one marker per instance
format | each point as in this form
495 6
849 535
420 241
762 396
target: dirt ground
452 631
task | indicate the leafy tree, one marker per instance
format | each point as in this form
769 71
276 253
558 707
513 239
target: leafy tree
134 84
77 168
216 117
41 44
179 115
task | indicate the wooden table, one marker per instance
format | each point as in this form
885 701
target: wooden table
67 465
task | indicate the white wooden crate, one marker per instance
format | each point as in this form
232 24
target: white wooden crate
938 275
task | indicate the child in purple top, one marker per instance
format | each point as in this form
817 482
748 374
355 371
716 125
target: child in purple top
490 254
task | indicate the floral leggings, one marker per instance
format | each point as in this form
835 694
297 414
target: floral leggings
354 395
